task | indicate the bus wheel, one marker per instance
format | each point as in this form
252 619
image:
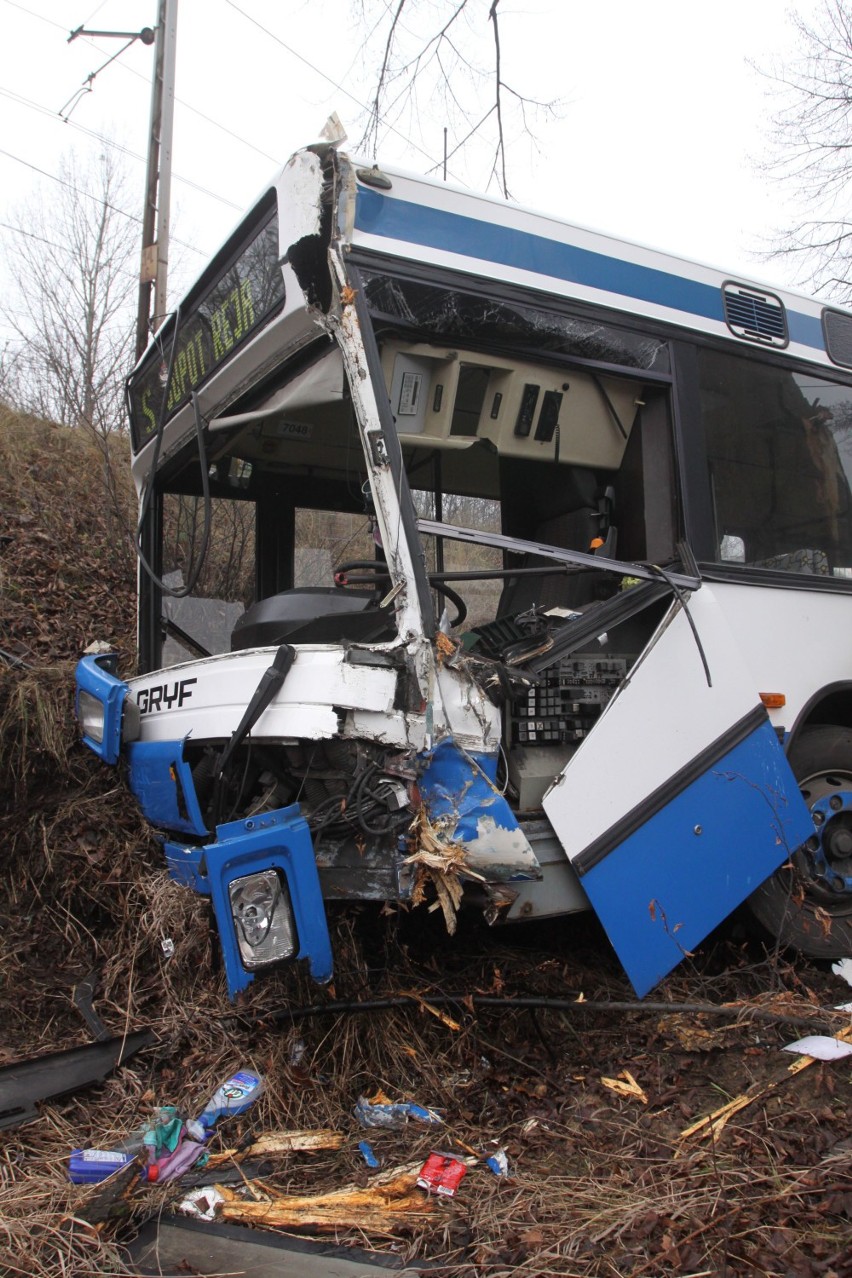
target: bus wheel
807 904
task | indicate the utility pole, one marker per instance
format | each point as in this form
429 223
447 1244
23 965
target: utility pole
158 182
155 219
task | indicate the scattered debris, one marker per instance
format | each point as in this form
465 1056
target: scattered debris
44 1077
84 1001
381 1111
442 1174
233 1097
90 1166
368 1155
712 1124
391 1199
201 1203
498 1163
431 1009
284 1142
626 1085
820 1047
439 863
843 968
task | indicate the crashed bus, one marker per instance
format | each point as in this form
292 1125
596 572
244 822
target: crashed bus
488 562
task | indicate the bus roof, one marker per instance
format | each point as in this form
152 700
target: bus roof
420 219
412 218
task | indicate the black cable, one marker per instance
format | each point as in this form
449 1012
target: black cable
681 598
613 413
466 1000
233 811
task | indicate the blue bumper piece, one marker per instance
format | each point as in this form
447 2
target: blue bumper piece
96 676
277 840
459 787
161 779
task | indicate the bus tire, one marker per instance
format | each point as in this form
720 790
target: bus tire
797 904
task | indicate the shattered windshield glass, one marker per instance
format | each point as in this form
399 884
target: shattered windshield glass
450 313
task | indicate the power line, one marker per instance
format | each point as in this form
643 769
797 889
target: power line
61 248
316 70
116 146
88 194
273 159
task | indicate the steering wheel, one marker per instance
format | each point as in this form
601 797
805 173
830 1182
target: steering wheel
379 576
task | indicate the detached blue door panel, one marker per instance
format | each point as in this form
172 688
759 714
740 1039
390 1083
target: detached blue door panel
680 801
669 882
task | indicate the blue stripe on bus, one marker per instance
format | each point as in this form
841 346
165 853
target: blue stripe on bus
490 242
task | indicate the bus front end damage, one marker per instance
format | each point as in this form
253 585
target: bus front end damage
590 736
337 791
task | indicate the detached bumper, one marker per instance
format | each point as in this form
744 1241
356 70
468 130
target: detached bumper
271 844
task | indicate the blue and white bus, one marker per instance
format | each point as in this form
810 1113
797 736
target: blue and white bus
488 561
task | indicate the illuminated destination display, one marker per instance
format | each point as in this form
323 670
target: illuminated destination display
243 295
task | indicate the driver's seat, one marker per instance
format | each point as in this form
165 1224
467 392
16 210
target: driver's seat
313 614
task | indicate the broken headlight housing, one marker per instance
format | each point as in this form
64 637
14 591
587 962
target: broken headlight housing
263 919
91 714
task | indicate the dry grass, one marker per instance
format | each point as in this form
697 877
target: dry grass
601 1187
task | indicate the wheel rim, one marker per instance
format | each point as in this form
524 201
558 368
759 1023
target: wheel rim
825 860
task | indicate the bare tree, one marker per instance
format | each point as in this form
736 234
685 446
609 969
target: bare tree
72 265
430 51
812 152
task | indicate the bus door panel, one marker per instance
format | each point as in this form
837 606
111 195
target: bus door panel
680 802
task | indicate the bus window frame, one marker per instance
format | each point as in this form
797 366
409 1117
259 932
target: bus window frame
698 514
264 212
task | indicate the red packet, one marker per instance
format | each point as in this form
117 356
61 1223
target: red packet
441 1174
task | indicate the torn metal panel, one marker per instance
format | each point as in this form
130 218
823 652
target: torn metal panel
304 227
170 1247
277 841
161 780
45 1077
465 808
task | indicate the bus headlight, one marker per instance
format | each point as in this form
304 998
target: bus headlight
91 713
263 919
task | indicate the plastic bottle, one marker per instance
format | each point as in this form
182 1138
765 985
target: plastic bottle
90 1166
234 1096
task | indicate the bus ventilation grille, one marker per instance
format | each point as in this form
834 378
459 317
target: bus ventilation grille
758 317
837 329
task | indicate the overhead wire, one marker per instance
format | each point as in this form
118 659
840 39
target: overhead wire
330 80
217 124
89 195
209 119
61 248
111 142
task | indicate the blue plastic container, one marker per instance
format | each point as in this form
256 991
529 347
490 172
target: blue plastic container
89 1166
235 1095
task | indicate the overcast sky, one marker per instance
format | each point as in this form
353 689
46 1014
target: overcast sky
658 137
